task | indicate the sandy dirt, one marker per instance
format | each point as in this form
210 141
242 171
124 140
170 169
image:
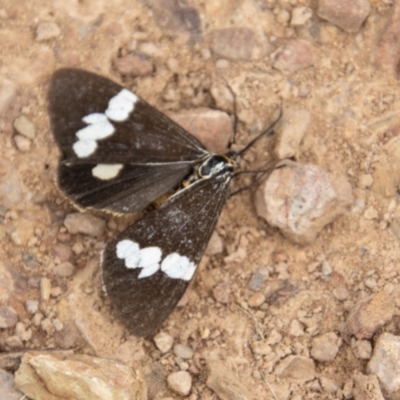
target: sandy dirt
353 107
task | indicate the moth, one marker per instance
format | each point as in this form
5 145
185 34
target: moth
119 154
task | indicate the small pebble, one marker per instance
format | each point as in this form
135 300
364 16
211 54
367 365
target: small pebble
22 143
45 289
256 300
14 342
163 341
256 281
283 16
296 328
300 15
325 347
23 333
58 325
47 326
25 127
64 270
365 181
31 306
221 293
326 269
8 317
385 362
274 337
133 65
47 30
180 382
183 351
84 223
362 349
341 293
261 348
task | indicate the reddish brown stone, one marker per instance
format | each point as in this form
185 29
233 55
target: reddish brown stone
388 55
346 14
369 315
293 56
133 65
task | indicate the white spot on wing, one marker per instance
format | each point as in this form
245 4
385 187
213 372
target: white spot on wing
178 267
98 128
128 250
96 131
84 148
146 272
121 105
149 256
106 171
94 118
148 259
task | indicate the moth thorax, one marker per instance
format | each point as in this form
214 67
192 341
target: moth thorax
215 165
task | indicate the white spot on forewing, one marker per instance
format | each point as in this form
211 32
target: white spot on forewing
178 267
106 171
96 131
94 118
121 105
84 148
98 128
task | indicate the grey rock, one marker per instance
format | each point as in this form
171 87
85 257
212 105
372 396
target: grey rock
8 317
301 199
325 347
8 391
385 362
31 306
256 281
183 351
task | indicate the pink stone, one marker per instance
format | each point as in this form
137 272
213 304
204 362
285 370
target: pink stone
348 15
293 56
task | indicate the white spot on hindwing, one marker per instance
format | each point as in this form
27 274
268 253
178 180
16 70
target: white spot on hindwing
99 125
106 171
178 267
174 265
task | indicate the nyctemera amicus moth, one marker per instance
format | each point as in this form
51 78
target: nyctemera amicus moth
120 154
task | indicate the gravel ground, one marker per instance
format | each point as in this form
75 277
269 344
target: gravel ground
271 313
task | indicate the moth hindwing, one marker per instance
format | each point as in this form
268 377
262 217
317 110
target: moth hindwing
120 154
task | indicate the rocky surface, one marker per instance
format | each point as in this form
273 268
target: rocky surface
293 316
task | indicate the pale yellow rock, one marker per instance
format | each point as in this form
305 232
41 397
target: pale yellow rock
45 376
